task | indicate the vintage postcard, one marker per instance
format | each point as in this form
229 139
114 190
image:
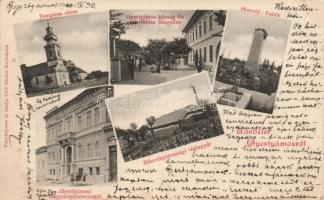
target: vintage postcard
55 53
161 100
165 117
155 46
251 60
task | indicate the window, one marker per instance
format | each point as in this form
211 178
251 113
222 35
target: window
37 81
199 30
210 53
193 35
199 54
89 118
60 129
96 115
211 22
205 54
196 34
79 122
205 27
89 150
80 151
97 152
97 171
90 171
68 124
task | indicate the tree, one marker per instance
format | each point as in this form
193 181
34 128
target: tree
155 50
178 46
133 127
220 19
116 27
150 122
160 50
130 45
142 131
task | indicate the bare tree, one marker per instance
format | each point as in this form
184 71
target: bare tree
133 127
150 122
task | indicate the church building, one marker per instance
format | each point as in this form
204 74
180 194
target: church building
53 73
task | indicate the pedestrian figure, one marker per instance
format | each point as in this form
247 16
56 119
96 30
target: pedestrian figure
158 69
84 177
77 176
199 67
72 177
197 63
131 68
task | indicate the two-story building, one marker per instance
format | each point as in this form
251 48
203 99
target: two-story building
203 35
80 143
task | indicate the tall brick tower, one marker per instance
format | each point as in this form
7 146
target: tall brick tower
252 63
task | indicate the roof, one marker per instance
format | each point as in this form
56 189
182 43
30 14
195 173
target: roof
108 90
173 116
76 69
42 149
70 66
194 18
37 70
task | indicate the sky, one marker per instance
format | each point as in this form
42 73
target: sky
238 35
141 33
157 101
83 39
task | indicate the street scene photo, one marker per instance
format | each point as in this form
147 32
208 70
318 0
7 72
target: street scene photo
58 54
165 116
75 143
250 61
148 47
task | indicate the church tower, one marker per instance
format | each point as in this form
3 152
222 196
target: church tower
54 57
52 48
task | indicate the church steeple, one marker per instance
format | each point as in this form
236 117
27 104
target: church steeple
52 48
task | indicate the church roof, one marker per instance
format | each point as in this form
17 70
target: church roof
37 70
70 66
78 70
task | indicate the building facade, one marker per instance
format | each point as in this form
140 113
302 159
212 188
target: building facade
80 143
203 35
